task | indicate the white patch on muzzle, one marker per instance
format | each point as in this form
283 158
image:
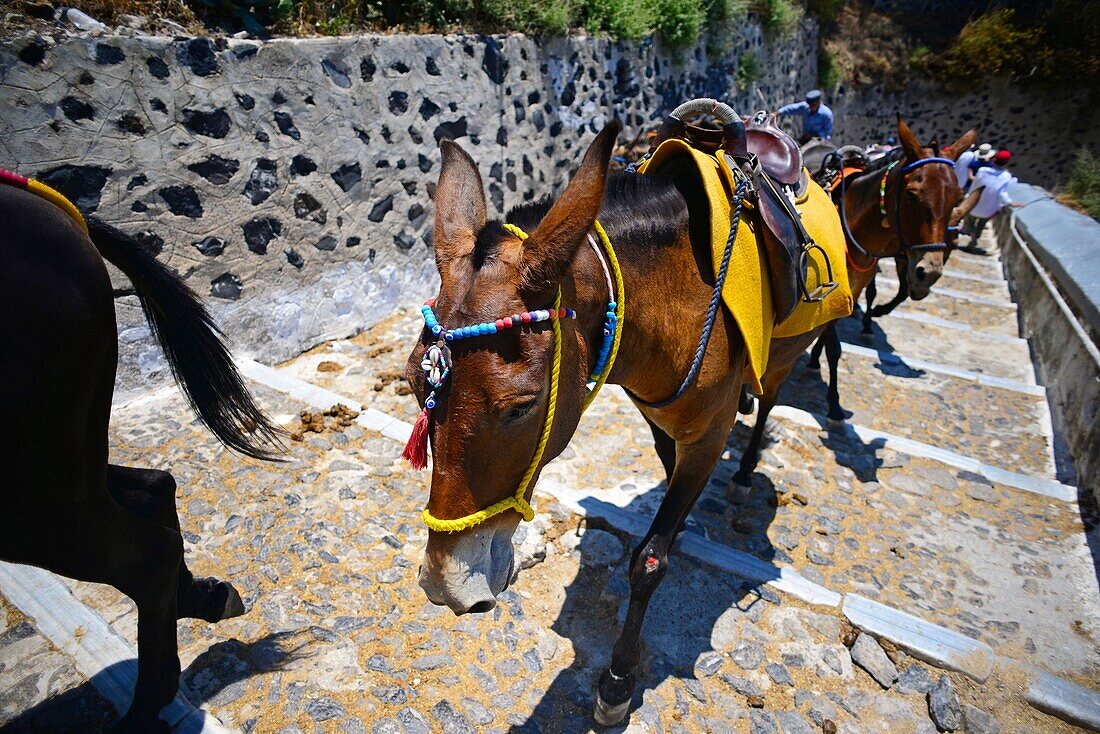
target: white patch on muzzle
466 570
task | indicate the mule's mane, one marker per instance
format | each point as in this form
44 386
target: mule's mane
637 209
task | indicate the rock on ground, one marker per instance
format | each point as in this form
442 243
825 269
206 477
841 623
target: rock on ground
869 655
943 705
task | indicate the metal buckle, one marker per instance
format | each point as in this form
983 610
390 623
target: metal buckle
823 290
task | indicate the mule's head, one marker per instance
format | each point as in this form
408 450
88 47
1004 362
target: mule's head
490 413
930 193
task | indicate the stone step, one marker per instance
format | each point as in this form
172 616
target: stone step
992 289
955 345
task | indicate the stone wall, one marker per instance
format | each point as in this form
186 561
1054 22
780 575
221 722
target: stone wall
1042 127
288 181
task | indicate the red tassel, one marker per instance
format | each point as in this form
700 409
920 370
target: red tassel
416 450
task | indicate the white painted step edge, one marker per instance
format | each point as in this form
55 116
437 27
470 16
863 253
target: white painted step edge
940 646
1027 482
98 652
961 296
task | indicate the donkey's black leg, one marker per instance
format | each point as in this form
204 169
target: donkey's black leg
694 463
832 352
745 403
151 494
666 448
866 335
742 480
814 364
902 265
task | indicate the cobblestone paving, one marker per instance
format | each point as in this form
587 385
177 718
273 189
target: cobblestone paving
339 638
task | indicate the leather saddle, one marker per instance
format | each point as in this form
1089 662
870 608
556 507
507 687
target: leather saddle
773 162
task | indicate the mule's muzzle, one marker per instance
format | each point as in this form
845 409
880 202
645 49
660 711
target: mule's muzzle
466 571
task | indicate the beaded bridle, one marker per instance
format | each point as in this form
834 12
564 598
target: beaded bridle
903 246
437 366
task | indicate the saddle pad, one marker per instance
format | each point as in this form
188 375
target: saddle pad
42 190
747 291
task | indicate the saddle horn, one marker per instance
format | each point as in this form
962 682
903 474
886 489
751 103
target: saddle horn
733 129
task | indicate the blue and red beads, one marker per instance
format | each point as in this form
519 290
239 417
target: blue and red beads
492 327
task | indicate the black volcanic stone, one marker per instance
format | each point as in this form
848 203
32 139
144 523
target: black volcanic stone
510 180
294 258
398 102
139 207
245 51
415 212
521 112
430 66
158 104
286 125
379 211
555 128
77 109
108 55
326 243
302 166
258 232
423 163
182 201
347 175
263 181
262 136
625 85
227 286
386 134
139 180
212 124
338 76
496 195
496 171
538 119
400 67
307 206
352 242
502 136
364 138
210 246
82 185
86 78
130 122
34 53
451 130
404 240
569 94
367 69
157 67
245 100
428 109
215 169
151 241
494 64
533 98
415 136
199 55
410 187
528 169
278 97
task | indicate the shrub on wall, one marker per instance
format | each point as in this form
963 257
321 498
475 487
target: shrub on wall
1084 182
779 17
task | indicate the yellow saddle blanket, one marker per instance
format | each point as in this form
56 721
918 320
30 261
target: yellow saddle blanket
747 291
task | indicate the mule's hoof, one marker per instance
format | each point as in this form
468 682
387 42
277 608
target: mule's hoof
211 600
739 492
835 424
811 367
865 338
607 715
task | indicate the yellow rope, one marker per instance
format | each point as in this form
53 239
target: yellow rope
58 199
519 499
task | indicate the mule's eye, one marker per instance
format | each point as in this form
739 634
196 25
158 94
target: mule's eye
520 411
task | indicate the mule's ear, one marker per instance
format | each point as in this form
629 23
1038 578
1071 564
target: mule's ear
459 204
550 248
914 151
956 149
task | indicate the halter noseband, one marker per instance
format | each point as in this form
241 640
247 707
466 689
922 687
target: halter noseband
437 367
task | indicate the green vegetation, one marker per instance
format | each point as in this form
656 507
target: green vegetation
779 17
1084 183
828 70
748 70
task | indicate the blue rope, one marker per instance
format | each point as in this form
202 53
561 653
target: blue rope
712 310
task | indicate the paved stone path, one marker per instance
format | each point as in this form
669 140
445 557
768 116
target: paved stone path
339 638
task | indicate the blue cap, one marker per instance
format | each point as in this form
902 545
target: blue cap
813 94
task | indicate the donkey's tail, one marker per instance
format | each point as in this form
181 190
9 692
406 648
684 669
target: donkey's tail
193 345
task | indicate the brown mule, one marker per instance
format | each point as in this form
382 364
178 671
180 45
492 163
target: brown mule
488 419
64 507
928 193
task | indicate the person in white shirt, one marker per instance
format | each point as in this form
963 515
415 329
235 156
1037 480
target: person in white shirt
988 195
970 161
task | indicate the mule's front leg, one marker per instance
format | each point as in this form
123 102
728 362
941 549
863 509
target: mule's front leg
647 567
831 338
866 335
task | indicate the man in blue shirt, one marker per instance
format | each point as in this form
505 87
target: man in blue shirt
817 119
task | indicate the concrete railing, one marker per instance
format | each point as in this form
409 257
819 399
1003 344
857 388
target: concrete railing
1052 257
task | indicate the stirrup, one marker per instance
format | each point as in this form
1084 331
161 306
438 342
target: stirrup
822 291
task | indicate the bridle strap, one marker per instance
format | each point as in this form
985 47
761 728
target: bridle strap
926 246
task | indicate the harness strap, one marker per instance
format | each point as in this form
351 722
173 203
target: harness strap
51 195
